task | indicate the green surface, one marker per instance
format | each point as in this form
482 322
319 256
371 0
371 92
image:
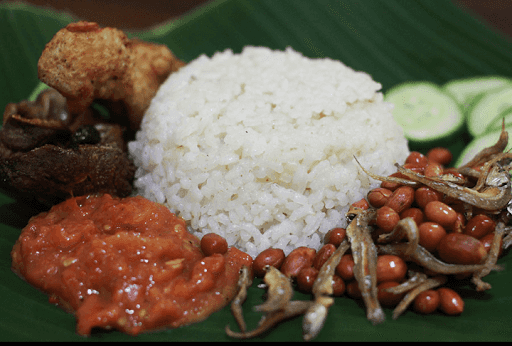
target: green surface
395 41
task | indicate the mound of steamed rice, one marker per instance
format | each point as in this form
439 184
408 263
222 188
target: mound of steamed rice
259 147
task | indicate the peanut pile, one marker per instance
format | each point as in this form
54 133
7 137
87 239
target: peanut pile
443 230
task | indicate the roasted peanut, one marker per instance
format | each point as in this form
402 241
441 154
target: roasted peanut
306 278
352 289
415 157
459 224
450 302
401 199
271 257
487 242
386 218
379 196
390 185
431 234
345 268
387 298
415 167
338 286
479 226
335 236
424 195
440 213
390 268
433 169
323 255
415 213
427 302
212 243
459 248
301 257
440 155
361 204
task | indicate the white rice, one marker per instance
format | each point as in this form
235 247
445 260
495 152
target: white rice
258 147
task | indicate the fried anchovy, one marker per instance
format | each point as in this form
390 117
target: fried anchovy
485 172
424 258
280 291
388 179
409 297
494 198
415 279
491 259
364 253
322 291
484 154
507 238
277 307
244 281
292 309
407 227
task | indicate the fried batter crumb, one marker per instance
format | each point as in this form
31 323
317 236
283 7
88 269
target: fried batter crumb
85 63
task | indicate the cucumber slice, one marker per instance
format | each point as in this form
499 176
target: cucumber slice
427 114
497 123
479 143
492 106
467 91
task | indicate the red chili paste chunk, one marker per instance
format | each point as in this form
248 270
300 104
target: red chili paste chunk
128 264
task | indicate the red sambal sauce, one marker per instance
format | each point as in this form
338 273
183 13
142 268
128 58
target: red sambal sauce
128 264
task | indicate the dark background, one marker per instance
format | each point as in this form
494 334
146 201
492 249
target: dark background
142 14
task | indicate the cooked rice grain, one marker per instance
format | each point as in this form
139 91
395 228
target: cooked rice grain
258 147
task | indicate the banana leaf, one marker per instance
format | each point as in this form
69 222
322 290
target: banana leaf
392 40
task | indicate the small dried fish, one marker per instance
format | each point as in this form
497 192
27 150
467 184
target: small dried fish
277 308
294 308
415 279
494 198
409 297
490 261
406 227
397 180
364 253
315 316
428 261
244 282
280 291
486 153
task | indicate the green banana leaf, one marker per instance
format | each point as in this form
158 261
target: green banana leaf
393 40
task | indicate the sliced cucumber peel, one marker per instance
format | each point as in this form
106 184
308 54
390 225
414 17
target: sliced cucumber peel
425 112
467 91
489 110
506 116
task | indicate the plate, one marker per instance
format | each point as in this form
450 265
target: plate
394 41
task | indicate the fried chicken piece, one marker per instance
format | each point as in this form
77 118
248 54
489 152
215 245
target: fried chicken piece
85 62
151 66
